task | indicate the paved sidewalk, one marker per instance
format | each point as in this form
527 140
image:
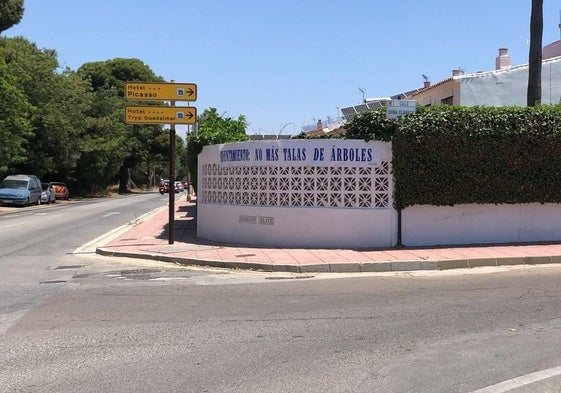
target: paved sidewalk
147 239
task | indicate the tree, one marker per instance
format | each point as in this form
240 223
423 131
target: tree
101 155
53 122
158 162
534 95
15 127
59 124
11 12
212 129
56 120
371 124
108 80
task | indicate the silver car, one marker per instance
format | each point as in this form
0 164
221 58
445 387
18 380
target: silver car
178 186
48 195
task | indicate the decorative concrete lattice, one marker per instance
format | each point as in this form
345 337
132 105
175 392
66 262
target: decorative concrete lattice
297 186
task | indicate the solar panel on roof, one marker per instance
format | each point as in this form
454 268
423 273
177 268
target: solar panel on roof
404 95
374 104
348 112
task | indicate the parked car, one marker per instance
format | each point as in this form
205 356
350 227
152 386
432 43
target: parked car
185 184
49 194
61 191
20 190
178 186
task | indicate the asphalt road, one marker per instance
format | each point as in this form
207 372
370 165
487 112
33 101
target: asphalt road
78 322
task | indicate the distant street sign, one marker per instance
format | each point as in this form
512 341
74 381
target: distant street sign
147 91
160 115
397 108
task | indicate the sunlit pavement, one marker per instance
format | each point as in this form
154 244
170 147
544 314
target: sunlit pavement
147 238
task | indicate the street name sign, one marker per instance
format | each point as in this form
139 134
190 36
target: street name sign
148 91
160 115
396 108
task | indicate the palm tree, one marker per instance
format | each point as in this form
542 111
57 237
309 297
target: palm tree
534 95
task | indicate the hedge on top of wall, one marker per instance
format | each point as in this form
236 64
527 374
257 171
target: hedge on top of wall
448 155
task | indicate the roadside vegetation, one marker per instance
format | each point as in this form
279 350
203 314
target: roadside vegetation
448 155
65 125
68 125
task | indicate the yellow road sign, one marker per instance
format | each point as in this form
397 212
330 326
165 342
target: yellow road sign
147 91
160 115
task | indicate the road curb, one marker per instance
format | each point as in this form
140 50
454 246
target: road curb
343 267
107 237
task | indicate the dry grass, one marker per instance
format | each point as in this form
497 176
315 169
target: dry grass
113 191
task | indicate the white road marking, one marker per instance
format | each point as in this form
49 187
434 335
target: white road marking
8 320
13 225
110 214
523 380
105 238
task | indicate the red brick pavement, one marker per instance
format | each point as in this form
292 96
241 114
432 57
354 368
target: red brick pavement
147 238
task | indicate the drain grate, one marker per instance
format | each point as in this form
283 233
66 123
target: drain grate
82 275
62 267
53 282
139 271
289 278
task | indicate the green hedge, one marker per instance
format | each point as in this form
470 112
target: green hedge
448 155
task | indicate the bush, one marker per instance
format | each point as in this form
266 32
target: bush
447 155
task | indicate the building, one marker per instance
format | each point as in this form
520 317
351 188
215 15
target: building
331 128
504 86
374 103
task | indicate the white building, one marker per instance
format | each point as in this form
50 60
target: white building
504 86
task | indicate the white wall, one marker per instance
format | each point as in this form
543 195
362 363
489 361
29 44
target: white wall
282 193
480 224
297 193
509 86
297 227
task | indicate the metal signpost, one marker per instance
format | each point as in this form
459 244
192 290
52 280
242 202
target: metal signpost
395 109
172 115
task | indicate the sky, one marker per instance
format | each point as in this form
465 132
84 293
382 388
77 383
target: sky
286 64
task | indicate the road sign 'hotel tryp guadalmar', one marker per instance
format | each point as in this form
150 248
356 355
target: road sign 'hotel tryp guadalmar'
148 91
160 115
